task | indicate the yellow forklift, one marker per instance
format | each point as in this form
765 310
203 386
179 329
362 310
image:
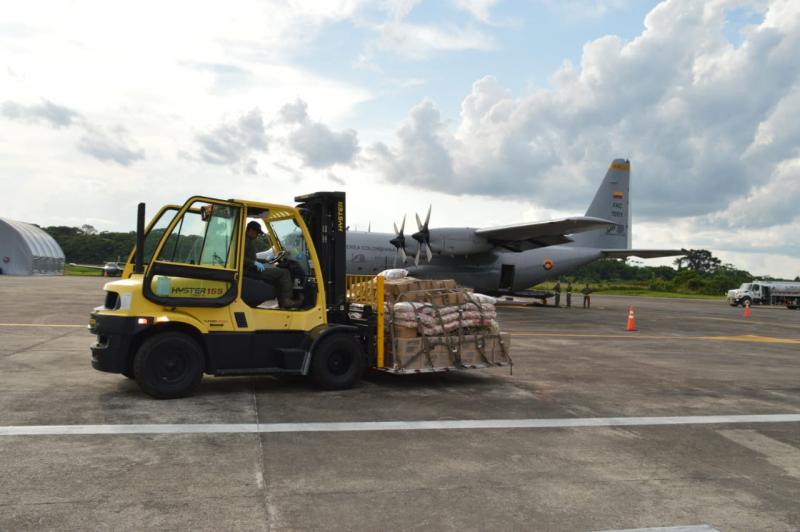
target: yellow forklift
186 305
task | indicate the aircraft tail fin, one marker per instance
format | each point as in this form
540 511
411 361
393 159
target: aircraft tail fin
611 202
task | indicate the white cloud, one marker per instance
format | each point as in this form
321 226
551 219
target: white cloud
57 116
112 144
316 144
587 8
235 144
708 124
415 40
709 127
418 40
423 155
680 100
776 203
480 9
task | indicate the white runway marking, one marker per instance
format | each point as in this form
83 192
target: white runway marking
358 426
690 528
779 454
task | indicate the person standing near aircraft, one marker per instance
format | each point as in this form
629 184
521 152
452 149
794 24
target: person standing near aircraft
278 277
587 299
569 294
557 290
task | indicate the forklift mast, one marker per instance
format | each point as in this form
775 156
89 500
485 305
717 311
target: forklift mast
324 214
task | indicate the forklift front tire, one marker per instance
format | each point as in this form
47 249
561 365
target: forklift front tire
338 362
168 365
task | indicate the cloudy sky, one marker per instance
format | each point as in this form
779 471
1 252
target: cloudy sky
493 111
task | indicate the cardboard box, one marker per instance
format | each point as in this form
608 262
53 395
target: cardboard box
410 354
405 332
474 350
393 289
424 291
482 349
437 296
471 347
456 297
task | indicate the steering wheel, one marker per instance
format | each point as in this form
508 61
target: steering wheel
279 257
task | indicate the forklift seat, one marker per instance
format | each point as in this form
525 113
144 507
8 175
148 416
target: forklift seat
255 291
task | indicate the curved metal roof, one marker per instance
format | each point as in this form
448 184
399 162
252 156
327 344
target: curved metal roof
38 241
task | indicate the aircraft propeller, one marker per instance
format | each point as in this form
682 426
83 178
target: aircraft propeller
399 242
423 236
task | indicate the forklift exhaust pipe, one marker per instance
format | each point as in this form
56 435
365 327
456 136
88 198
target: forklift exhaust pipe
138 260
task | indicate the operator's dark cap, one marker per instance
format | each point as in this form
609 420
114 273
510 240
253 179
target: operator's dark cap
255 226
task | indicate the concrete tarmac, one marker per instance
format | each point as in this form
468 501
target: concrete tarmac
688 358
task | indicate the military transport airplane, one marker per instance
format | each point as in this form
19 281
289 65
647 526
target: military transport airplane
509 258
110 269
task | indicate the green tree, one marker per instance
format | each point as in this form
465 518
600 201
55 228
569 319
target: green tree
698 260
83 246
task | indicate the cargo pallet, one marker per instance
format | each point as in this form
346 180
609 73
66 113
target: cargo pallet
367 294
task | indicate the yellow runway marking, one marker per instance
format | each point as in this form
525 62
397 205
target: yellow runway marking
747 321
636 336
753 338
56 325
601 335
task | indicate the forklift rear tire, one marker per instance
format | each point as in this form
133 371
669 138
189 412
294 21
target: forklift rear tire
338 362
168 365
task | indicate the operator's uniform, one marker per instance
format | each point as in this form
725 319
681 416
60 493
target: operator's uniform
569 294
587 298
277 277
557 290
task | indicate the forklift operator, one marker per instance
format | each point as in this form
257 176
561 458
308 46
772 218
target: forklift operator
278 277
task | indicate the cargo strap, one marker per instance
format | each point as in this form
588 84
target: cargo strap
506 354
453 340
480 339
453 350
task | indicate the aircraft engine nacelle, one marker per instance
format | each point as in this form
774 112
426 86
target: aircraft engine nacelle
458 242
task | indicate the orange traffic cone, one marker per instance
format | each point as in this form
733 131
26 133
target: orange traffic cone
631 320
747 310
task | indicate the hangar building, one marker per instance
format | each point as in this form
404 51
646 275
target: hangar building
27 250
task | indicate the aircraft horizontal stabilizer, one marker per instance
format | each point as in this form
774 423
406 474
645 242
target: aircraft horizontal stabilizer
543 233
642 253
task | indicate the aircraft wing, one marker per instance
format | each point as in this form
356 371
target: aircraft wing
642 253
542 234
93 266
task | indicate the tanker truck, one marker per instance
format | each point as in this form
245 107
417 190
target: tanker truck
761 292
